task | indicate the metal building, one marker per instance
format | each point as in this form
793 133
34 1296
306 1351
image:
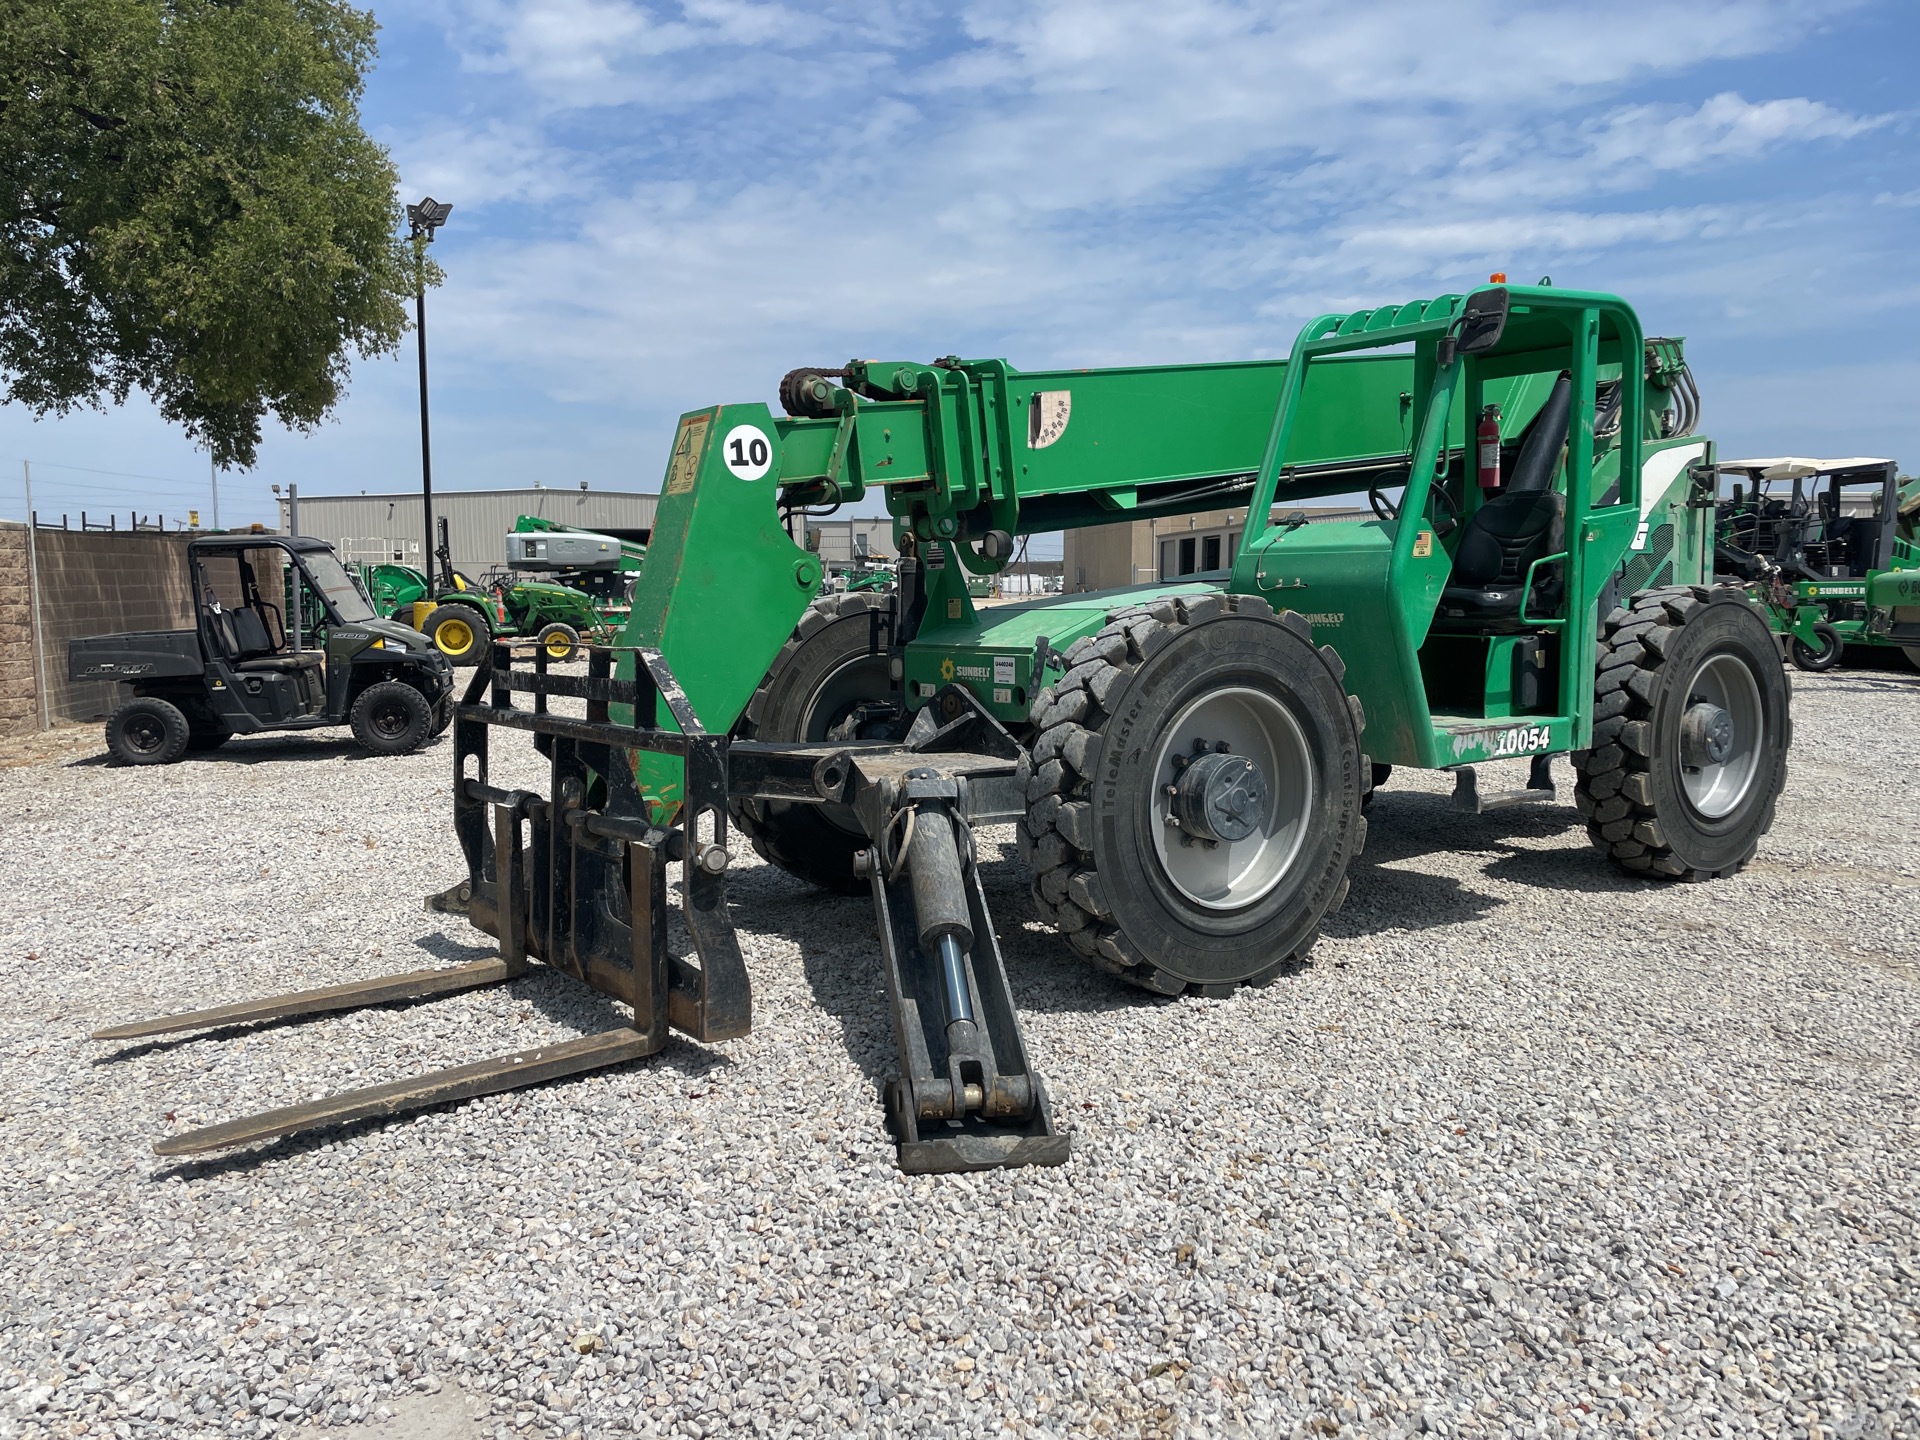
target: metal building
1142 552
835 540
385 527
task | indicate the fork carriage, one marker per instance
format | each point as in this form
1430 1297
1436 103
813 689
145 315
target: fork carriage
578 880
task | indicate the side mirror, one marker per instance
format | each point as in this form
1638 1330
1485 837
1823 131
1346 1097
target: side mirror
1483 319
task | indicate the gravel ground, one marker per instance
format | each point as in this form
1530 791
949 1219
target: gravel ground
1529 1149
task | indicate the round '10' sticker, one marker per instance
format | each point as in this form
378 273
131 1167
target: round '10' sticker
747 452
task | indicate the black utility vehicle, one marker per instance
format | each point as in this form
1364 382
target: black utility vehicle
284 641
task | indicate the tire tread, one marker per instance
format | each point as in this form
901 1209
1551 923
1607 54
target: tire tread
1613 783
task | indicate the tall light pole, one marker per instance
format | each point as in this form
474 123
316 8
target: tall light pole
423 219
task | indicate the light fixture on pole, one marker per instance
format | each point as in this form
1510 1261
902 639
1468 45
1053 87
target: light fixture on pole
422 220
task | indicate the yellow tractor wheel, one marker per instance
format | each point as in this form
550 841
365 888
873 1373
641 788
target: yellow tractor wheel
561 642
457 632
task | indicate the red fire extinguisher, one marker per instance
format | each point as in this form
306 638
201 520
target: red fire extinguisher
1489 439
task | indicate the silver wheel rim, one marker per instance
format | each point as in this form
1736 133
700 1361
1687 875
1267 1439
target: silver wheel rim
1716 790
839 690
1233 875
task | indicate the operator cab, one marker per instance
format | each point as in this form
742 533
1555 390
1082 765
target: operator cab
1812 519
264 606
1513 532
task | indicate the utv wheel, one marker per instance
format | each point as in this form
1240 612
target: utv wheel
147 731
1194 793
825 672
1690 734
442 713
1827 657
561 642
391 718
457 632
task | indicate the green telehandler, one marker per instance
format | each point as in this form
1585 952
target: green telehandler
1186 764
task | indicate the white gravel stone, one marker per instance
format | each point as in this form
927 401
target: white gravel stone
1530 1149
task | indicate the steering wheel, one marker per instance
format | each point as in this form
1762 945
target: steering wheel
1385 509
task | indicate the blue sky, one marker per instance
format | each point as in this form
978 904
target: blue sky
661 205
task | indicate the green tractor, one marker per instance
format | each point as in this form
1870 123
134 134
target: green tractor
604 567
1186 764
468 615
1834 558
392 589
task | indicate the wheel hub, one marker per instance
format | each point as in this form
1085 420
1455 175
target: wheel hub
1219 796
1706 735
1232 797
1723 734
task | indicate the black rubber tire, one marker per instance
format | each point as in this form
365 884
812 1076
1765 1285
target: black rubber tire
814 842
1629 784
201 737
391 718
442 713
560 641
147 730
1090 794
1828 657
471 616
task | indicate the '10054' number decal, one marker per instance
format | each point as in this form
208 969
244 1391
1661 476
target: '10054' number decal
1522 741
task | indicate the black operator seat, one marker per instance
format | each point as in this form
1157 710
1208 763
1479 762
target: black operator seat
1520 525
253 647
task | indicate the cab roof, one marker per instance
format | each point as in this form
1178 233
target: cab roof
256 541
1798 467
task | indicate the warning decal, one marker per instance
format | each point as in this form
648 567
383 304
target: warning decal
1047 417
686 455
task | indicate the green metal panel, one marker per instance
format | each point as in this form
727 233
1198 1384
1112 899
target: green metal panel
993 654
723 585
1339 575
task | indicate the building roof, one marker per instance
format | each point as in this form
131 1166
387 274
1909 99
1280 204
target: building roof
446 494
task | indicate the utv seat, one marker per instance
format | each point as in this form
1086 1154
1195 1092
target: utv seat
251 646
1509 532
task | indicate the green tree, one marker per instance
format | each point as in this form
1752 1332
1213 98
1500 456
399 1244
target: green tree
190 207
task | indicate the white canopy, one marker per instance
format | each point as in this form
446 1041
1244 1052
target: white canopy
1795 467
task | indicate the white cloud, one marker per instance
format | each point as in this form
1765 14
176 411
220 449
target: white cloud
492 162
1725 127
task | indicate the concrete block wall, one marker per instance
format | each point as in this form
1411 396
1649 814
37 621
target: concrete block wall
19 698
91 583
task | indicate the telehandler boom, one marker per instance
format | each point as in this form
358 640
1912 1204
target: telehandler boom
1183 762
